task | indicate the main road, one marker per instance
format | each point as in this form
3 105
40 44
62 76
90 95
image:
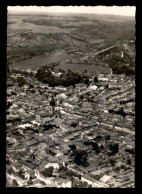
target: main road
106 49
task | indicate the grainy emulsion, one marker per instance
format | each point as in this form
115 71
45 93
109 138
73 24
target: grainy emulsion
70 100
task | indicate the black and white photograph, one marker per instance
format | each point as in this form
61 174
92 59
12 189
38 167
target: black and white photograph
70 106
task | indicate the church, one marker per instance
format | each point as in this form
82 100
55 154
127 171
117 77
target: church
44 118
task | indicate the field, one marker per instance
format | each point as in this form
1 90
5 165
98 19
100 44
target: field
38 61
59 55
95 69
36 28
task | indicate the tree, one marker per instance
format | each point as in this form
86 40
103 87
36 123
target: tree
112 162
107 137
117 168
52 102
81 97
130 150
114 147
80 157
74 124
72 147
121 112
48 172
86 81
129 161
95 79
126 179
15 183
8 104
107 86
21 81
31 86
96 147
30 182
21 174
13 93
48 127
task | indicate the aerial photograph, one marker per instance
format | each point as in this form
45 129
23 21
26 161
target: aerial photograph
70 107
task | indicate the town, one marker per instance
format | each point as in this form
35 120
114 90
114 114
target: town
80 136
70 115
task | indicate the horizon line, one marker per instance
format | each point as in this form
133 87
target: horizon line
21 11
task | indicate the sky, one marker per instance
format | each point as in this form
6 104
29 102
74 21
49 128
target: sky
115 10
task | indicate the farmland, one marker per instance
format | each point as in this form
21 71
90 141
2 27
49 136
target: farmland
81 67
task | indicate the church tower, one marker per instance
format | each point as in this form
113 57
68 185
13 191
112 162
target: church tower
52 104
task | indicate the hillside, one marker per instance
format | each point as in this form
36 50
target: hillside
67 38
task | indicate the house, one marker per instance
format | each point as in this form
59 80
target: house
26 86
39 176
29 173
52 159
62 95
75 134
58 121
114 86
16 166
87 179
106 179
64 127
66 140
62 183
66 184
94 87
66 104
56 74
70 137
46 120
24 126
43 118
97 172
54 165
12 117
26 164
17 178
98 184
59 154
86 106
44 86
60 88
101 75
102 79
64 148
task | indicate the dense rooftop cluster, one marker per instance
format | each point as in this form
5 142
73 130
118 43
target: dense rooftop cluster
76 136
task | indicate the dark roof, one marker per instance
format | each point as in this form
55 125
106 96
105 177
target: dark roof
25 163
16 164
44 114
70 137
65 147
52 159
49 142
58 120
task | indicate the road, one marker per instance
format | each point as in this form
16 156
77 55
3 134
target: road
128 48
106 49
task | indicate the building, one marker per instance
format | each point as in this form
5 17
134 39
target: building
87 179
107 179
